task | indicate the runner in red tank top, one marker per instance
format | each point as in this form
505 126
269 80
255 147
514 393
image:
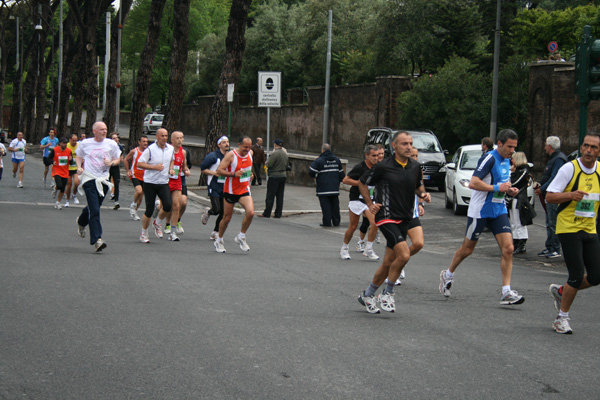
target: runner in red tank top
136 175
177 168
60 156
237 167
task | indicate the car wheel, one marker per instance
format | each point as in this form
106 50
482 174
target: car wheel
458 210
448 203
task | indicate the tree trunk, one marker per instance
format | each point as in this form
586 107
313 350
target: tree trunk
235 45
144 74
110 114
179 55
70 53
78 95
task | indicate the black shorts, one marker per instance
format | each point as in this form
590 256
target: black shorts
184 190
48 161
61 183
72 172
580 251
413 223
151 190
234 198
394 233
136 182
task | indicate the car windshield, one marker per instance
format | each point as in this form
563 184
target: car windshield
157 118
469 159
426 143
379 137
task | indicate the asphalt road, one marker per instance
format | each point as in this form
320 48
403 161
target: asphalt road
179 321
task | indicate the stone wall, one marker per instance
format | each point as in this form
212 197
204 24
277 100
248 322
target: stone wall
354 109
554 110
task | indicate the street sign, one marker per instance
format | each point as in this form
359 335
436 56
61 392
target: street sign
269 89
230 90
552 47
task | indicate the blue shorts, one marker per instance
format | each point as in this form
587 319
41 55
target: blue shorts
497 225
17 161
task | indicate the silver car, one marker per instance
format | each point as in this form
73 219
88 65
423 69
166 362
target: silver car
152 122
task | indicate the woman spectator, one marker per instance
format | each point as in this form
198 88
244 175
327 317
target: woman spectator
519 178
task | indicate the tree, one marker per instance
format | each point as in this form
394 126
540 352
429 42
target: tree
144 75
232 64
6 12
179 55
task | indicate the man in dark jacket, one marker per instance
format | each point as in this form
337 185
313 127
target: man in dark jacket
276 177
258 161
557 160
328 172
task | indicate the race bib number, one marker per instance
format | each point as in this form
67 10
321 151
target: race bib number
585 207
20 153
63 160
221 179
176 168
246 175
371 191
498 197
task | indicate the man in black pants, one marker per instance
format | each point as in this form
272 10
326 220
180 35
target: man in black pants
209 167
328 173
276 177
396 179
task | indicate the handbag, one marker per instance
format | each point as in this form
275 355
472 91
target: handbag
526 212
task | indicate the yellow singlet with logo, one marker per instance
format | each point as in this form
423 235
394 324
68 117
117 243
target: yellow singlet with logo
581 215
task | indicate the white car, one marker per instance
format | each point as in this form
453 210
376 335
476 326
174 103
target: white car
458 176
152 122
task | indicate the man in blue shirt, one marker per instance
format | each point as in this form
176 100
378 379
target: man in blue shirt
48 143
490 183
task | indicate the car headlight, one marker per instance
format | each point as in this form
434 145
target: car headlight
464 182
444 169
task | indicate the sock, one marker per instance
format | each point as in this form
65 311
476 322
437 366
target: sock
132 205
371 290
242 235
361 241
389 289
562 314
505 289
345 246
369 245
449 275
144 231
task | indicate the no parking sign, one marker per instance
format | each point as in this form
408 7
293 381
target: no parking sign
552 46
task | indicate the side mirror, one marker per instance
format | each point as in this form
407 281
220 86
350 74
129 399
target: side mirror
451 166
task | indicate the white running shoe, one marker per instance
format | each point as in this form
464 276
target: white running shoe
155 212
219 246
371 254
511 297
57 206
75 200
402 275
360 246
144 238
173 237
53 192
445 284
80 229
214 235
378 238
179 228
387 302
369 302
132 211
99 245
157 229
344 254
555 293
20 184
205 215
67 204
398 282
167 229
242 242
561 325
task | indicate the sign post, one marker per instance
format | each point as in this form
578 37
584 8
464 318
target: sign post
269 95
230 90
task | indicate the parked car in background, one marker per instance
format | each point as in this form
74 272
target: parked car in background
3 136
431 155
152 122
458 176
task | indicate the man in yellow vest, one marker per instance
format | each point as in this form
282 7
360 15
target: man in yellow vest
576 189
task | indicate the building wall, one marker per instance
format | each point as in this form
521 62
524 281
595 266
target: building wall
554 110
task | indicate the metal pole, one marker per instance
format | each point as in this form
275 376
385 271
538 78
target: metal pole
268 128
60 50
17 61
106 62
120 30
327 77
494 117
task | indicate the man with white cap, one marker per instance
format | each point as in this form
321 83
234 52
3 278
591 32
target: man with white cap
209 167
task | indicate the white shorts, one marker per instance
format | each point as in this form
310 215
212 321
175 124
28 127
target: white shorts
357 207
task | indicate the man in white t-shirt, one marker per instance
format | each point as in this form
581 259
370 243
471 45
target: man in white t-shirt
94 158
19 147
157 161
